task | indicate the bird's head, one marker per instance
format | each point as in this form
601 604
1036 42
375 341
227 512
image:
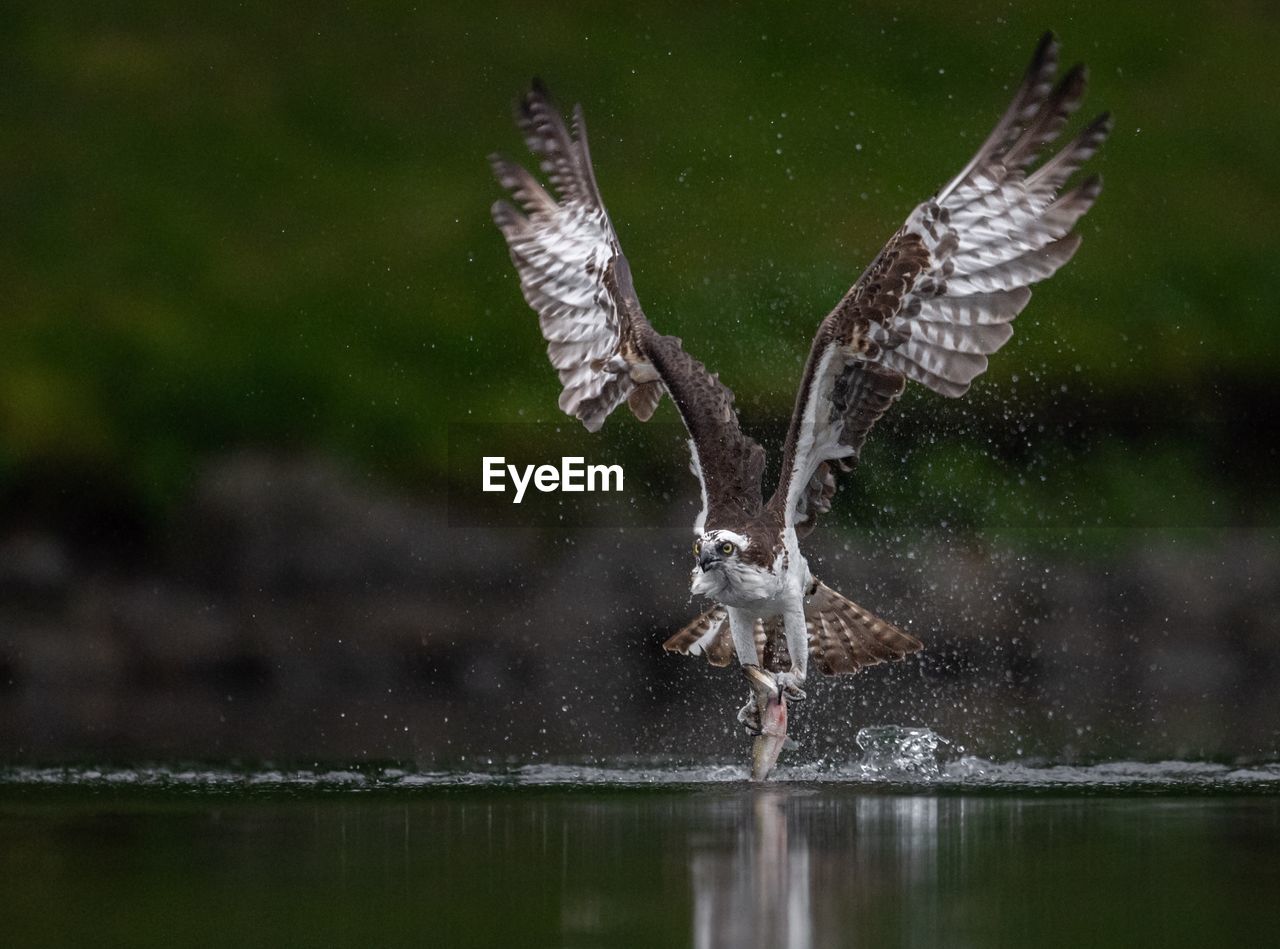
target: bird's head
712 549
717 555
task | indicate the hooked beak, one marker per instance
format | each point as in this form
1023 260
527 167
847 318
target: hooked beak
709 557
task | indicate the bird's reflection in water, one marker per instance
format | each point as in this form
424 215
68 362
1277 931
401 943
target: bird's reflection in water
756 893
790 868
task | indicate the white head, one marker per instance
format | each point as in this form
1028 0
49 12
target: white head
719 561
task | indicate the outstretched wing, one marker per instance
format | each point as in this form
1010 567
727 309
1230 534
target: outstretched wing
575 276
941 295
562 248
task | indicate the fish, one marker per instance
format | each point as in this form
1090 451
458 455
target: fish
766 746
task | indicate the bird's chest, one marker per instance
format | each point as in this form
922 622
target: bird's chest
753 586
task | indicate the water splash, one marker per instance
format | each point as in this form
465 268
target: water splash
892 762
898 752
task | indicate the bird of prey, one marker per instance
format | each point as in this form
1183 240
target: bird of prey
936 301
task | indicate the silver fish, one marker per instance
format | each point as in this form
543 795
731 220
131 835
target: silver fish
766 746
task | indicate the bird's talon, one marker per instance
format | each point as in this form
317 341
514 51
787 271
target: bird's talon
789 685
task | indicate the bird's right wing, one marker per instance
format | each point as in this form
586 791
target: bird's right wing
563 248
575 276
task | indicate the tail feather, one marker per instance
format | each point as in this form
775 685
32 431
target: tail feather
843 637
708 635
850 637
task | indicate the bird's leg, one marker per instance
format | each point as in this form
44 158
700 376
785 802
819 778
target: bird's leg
764 689
742 627
797 633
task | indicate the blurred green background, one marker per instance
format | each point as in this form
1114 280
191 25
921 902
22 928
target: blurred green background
267 226
251 284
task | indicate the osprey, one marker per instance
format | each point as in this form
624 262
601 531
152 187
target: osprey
937 300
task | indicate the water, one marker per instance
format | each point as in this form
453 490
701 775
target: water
877 770
902 848
899 750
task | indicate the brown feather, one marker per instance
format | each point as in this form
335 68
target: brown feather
843 637
939 297
719 650
731 462
574 274
644 399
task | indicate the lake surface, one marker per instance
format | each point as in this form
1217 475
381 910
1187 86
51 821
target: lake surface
1125 854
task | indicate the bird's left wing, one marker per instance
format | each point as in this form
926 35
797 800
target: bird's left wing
575 276
940 297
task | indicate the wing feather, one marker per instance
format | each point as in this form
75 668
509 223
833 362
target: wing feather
574 275
940 297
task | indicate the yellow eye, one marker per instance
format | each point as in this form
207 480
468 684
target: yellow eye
697 547
726 548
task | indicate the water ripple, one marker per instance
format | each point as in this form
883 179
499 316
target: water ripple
966 773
